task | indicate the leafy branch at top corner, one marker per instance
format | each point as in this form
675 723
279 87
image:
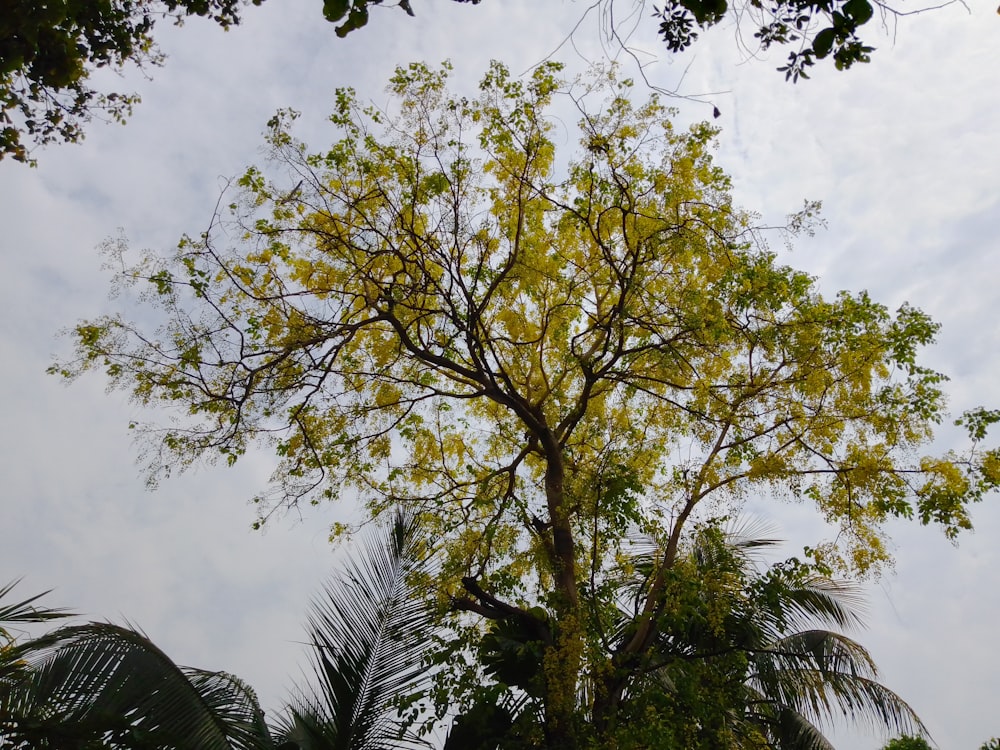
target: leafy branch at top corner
817 29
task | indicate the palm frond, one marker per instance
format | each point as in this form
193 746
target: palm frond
101 680
368 633
745 538
790 730
26 611
823 601
826 676
234 706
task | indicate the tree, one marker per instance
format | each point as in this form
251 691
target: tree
907 742
991 744
536 353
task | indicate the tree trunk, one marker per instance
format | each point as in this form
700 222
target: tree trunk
562 661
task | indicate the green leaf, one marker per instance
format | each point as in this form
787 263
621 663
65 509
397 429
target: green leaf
823 42
357 18
334 10
705 11
860 10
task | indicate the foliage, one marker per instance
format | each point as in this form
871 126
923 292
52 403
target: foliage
26 611
354 13
101 685
535 353
368 632
992 744
817 29
12 664
104 686
48 52
742 660
907 742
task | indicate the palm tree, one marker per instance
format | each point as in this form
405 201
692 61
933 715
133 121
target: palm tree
746 657
105 686
762 638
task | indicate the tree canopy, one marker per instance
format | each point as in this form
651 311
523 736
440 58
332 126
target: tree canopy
541 354
907 742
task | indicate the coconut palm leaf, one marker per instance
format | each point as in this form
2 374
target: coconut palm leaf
12 664
26 611
822 676
797 675
109 683
819 600
784 728
17 613
368 632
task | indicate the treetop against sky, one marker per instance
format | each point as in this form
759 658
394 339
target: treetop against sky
433 312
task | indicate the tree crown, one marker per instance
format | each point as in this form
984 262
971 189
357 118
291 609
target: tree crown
442 304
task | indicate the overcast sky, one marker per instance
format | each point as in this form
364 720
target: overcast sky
904 154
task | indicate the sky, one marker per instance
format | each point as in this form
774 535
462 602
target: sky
902 152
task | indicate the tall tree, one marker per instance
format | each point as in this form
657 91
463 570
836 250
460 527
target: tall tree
535 352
